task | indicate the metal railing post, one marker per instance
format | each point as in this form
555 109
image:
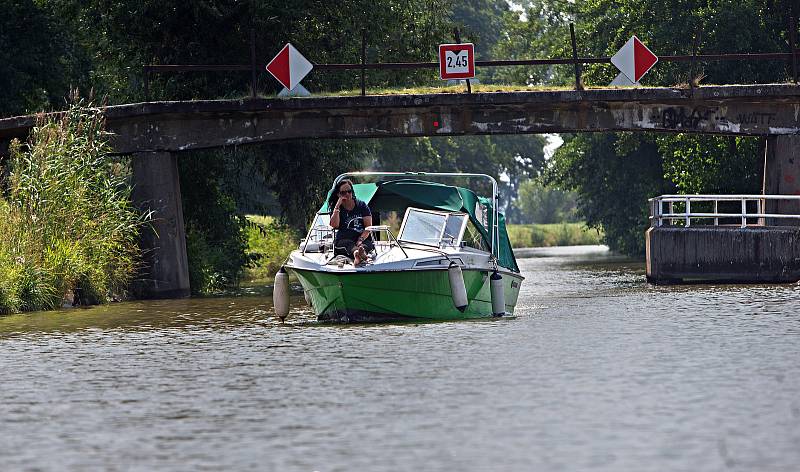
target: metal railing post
688 211
146 73
759 222
660 211
792 45
744 213
655 220
716 212
671 212
363 61
458 41
253 66
578 84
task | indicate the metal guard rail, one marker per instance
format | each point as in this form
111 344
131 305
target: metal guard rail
658 215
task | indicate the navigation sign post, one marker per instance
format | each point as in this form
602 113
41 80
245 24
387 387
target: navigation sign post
289 67
457 61
634 59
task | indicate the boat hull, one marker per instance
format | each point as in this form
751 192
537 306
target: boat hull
400 295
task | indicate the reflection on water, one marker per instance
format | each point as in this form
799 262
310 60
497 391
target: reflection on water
598 371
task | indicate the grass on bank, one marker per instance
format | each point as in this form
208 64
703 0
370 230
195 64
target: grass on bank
66 221
458 89
269 244
444 89
557 234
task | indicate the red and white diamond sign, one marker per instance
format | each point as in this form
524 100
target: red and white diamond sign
289 67
634 59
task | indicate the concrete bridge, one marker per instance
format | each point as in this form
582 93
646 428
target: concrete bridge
156 132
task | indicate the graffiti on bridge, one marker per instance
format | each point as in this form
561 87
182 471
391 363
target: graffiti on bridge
755 118
703 118
680 117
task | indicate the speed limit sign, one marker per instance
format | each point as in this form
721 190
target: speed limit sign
457 61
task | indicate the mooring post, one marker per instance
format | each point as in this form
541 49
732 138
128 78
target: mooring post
165 272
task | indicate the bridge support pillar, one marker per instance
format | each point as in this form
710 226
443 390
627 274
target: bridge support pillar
782 177
157 188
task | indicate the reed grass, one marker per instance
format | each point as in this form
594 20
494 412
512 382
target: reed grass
269 244
66 220
556 234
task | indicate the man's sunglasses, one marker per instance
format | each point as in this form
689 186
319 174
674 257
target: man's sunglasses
343 192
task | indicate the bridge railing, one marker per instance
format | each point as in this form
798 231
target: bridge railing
724 210
255 68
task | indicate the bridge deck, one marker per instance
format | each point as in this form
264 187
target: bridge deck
175 126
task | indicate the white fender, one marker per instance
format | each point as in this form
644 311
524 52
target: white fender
498 294
280 294
457 288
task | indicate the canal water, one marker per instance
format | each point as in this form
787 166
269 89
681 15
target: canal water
597 371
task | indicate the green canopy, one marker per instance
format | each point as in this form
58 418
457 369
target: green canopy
397 194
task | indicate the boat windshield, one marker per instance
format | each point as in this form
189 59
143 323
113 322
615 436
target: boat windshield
432 228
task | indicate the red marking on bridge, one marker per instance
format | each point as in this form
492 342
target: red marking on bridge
789 178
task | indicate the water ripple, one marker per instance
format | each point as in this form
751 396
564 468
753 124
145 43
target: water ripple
598 371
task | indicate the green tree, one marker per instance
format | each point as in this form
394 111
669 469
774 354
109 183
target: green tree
539 203
301 173
128 34
215 238
541 34
509 159
480 21
39 59
613 176
709 164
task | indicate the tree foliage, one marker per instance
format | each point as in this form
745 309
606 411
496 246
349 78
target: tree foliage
539 203
613 176
39 61
126 35
509 159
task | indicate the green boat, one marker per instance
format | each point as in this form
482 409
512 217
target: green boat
450 259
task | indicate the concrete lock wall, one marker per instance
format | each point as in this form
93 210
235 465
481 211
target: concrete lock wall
768 253
165 272
723 254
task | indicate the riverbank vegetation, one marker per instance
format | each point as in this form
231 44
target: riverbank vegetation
66 222
268 245
553 234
